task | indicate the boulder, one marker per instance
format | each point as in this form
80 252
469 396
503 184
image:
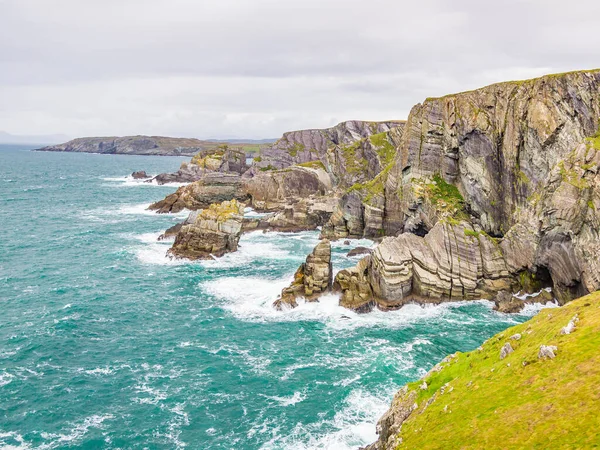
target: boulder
505 302
211 232
506 350
547 352
355 288
312 279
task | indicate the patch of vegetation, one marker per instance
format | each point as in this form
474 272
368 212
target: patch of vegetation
372 188
312 165
520 401
524 179
384 148
472 233
257 159
297 147
353 165
267 168
572 177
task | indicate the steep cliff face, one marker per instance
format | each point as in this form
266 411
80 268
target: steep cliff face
496 144
296 147
503 184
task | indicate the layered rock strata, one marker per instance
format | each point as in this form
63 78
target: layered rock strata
210 233
312 279
303 146
297 215
274 190
222 159
214 187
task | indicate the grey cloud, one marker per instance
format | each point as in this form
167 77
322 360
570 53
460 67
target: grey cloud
255 68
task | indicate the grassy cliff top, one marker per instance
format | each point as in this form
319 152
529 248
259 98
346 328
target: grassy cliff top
521 401
517 82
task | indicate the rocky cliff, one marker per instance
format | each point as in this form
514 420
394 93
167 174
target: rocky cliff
296 147
221 159
213 187
211 232
312 279
133 145
531 386
501 182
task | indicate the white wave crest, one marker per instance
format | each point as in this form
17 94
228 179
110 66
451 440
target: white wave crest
251 299
129 181
352 426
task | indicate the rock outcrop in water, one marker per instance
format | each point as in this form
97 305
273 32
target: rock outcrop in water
214 187
140 175
210 233
312 279
329 159
501 182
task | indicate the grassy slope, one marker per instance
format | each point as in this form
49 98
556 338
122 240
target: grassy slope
497 403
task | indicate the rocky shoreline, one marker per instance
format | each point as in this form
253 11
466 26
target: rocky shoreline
477 195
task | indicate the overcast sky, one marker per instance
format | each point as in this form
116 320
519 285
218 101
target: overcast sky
257 68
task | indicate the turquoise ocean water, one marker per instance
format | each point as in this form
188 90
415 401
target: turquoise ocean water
105 343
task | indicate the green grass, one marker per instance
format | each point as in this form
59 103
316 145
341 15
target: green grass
445 197
297 147
372 188
520 401
312 165
384 148
353 165
267 168
517 82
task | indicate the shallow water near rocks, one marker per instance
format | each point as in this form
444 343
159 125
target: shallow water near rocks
106 343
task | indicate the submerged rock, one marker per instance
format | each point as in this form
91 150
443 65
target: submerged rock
312 279
211 232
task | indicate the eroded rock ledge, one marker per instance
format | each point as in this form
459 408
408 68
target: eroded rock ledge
210 233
